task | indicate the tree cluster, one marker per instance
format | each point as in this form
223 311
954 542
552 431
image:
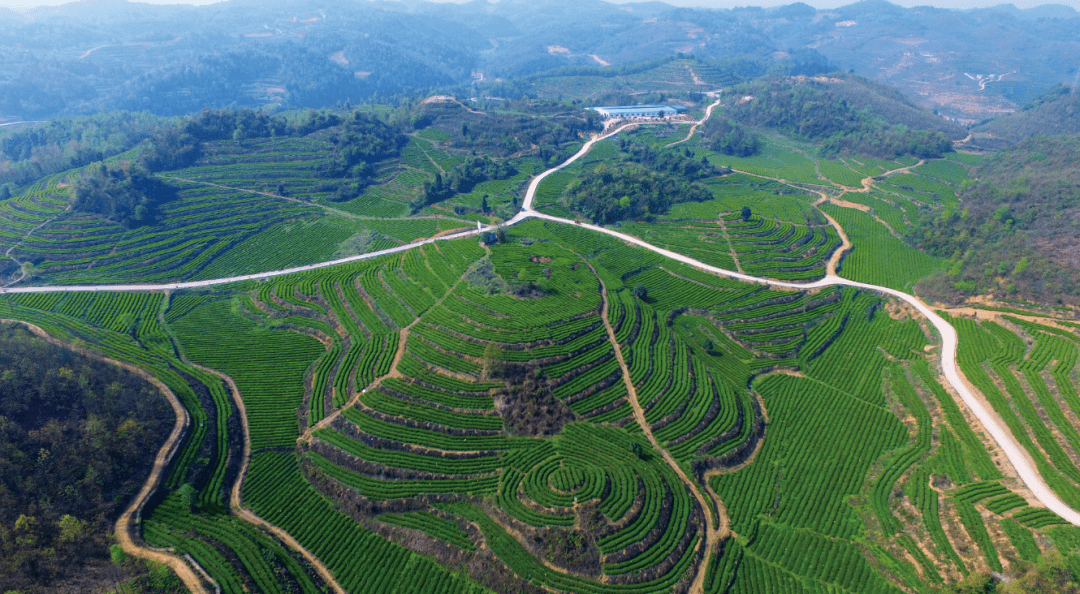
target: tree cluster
526 404
536 127
670 161
176 147
361 142
729 138
1053 573
126 194
77 438
463 178
30 152
624 191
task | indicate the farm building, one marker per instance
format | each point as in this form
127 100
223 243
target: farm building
639 111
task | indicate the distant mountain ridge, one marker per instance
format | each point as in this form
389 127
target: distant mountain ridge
95 55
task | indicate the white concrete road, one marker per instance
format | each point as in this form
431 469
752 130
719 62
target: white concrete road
1016 455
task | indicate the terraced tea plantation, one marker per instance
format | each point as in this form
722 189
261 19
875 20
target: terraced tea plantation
464 406
244 207
548 408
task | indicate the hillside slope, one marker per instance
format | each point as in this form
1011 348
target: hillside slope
1018 227
1056 112
846 112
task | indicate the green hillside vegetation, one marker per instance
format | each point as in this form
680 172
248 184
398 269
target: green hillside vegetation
509 128
77 439
730 138
175 147
847 113
1056 112
629 191
126 195
28 153
360 143
640 82
237 191
1011 234
463 179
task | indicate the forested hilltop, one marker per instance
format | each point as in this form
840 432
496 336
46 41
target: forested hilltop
845 114
77 440
1056 112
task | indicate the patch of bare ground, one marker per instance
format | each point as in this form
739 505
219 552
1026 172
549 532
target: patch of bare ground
961 542
999 540
848 204
989 315
900 310
450 231
911 519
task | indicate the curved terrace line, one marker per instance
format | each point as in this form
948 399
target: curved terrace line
1002 436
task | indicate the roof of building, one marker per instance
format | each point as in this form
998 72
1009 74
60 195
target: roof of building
639 108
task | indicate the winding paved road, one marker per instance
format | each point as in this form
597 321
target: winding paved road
1004 438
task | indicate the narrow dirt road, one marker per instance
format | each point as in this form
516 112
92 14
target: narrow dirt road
727 238
403 337
22 271
868 182
236 505
712 534
690 134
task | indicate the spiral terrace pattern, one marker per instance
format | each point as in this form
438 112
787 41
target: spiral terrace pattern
582 476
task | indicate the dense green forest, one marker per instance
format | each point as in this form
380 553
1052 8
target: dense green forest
729 138
629 191
31 152
1014 230
77 439
846 113
127 194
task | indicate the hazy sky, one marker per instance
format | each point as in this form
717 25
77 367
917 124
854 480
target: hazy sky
17 4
